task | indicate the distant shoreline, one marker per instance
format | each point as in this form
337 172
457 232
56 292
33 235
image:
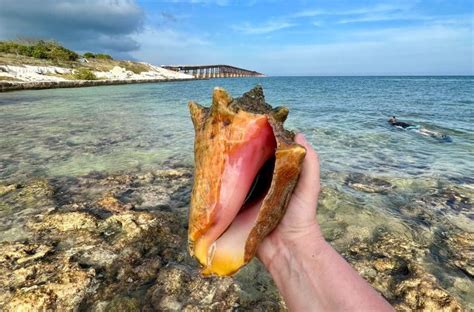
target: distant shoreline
8 86
48 65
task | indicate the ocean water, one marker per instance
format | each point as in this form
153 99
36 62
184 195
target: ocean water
374 176
72 131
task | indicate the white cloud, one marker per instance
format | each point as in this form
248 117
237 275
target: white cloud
170 38
247 3
432 49
437 48
385 17
380 8
310 13
168 46
268 27
216 2
376 13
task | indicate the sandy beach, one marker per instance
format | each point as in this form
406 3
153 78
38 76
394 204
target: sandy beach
29 77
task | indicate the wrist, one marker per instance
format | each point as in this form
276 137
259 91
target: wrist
282 250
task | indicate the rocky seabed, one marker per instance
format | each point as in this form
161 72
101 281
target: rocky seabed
119 243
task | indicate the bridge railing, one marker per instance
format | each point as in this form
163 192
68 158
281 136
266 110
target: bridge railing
213 71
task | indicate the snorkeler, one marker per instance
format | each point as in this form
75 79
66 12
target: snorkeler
394 122
406 126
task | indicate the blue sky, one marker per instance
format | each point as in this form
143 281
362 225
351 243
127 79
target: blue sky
270 36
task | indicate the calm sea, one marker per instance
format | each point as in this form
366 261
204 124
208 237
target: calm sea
371 172
73 131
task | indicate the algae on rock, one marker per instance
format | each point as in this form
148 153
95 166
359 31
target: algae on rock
80 255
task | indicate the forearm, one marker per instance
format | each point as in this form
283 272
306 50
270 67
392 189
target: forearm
312 276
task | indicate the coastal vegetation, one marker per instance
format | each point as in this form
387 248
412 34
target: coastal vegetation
102 56
134 67
47 50
52 53
84 74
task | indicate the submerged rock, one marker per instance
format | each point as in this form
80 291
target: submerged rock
33 281
112 204
445 200
392 265
19 202
4 189
364 183
35 194
180 289
81 256
19 253
420 291
122 304
461 250
458 199
64 222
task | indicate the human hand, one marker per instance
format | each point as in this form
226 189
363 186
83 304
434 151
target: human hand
309 273
299 224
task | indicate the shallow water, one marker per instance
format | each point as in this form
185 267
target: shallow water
72 131
375 177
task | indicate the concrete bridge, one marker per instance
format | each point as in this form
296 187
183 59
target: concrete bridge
213 71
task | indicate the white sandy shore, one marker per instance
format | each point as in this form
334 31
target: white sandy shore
27 77
29 73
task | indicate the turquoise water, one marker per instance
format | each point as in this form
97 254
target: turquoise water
373 175
73 131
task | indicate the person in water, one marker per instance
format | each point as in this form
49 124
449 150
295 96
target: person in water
394 122
406 126
310 274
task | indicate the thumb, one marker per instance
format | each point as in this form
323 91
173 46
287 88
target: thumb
308 187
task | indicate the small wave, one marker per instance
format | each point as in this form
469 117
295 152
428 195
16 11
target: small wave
465 102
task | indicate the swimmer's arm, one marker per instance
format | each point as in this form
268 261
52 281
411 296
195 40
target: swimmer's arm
312 276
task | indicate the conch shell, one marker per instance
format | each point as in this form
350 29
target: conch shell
246 167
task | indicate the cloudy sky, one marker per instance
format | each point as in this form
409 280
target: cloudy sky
276 37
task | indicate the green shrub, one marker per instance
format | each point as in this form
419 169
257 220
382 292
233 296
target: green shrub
84 74
40 49
25 50
8 46
100 56
89 55
103 56
57 52
136 68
